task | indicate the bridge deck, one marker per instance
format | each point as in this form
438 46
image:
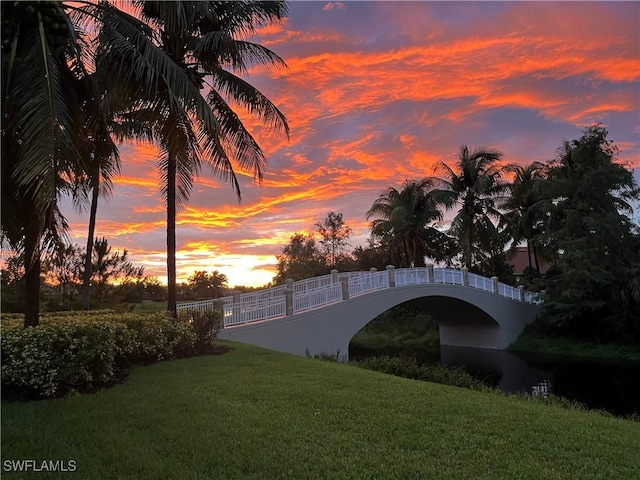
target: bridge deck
319 292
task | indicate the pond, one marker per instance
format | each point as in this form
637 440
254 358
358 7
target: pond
611 387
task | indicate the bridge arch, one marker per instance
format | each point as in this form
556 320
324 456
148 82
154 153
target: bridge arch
467 316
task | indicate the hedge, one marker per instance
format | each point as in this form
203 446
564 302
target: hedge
76 352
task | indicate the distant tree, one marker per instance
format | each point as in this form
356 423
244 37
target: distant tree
12 284
598 253
372 255
526 209
491 257
63 269
154 290
301 258
405 220
334 236
205 285
476 186
109 267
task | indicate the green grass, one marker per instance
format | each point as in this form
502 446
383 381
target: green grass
149 307
537 346
257 414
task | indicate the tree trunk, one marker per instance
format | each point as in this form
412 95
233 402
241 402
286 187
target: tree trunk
467 261
535 256
406 252
31 282
530 264
418 253
171 237
86 276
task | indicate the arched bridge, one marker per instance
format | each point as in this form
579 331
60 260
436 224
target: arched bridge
321 315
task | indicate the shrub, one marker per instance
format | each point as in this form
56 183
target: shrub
205 325
52 360
83 351
158 336
409 367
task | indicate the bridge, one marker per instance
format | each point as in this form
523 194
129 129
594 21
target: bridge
321 314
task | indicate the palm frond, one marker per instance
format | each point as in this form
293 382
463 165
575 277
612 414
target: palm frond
249 97
240 143
218 48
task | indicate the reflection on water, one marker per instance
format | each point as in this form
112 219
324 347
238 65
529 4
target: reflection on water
512 373
541 389
615 388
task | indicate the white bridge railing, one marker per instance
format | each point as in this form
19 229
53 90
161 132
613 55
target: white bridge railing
313 293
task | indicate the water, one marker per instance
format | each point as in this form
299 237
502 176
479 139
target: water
611 387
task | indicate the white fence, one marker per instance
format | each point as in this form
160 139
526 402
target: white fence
317 297
253 311
367 282
313 293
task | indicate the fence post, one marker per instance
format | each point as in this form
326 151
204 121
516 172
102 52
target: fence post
288 294
335 276
465 276
345 288
392 275
521 292
430 278
495 284
236 311
218 306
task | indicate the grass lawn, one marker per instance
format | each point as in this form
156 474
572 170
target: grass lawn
147 307
257 414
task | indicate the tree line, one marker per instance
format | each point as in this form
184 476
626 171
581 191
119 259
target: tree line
573 213
115 281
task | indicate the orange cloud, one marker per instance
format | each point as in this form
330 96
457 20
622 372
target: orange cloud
371 104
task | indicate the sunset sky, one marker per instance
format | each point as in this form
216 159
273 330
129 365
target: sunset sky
375 93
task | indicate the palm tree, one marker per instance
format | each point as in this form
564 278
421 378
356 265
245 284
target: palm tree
102 167
525 209
43 86
201 38
406 218
475 185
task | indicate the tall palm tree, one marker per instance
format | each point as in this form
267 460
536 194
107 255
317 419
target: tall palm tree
43 86
477 187
525 209
202 38
102 167
407 217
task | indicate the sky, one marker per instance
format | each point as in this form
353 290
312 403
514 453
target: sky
376 93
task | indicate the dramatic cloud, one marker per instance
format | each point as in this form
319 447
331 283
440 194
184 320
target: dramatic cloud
377 92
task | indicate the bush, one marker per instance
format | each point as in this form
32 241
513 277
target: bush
83 351
409 367
52 360
158 336
206 326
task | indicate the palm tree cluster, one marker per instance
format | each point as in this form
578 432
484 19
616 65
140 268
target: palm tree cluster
498 206
409 221
572 212
77 77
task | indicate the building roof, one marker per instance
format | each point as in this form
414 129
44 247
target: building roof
520 261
